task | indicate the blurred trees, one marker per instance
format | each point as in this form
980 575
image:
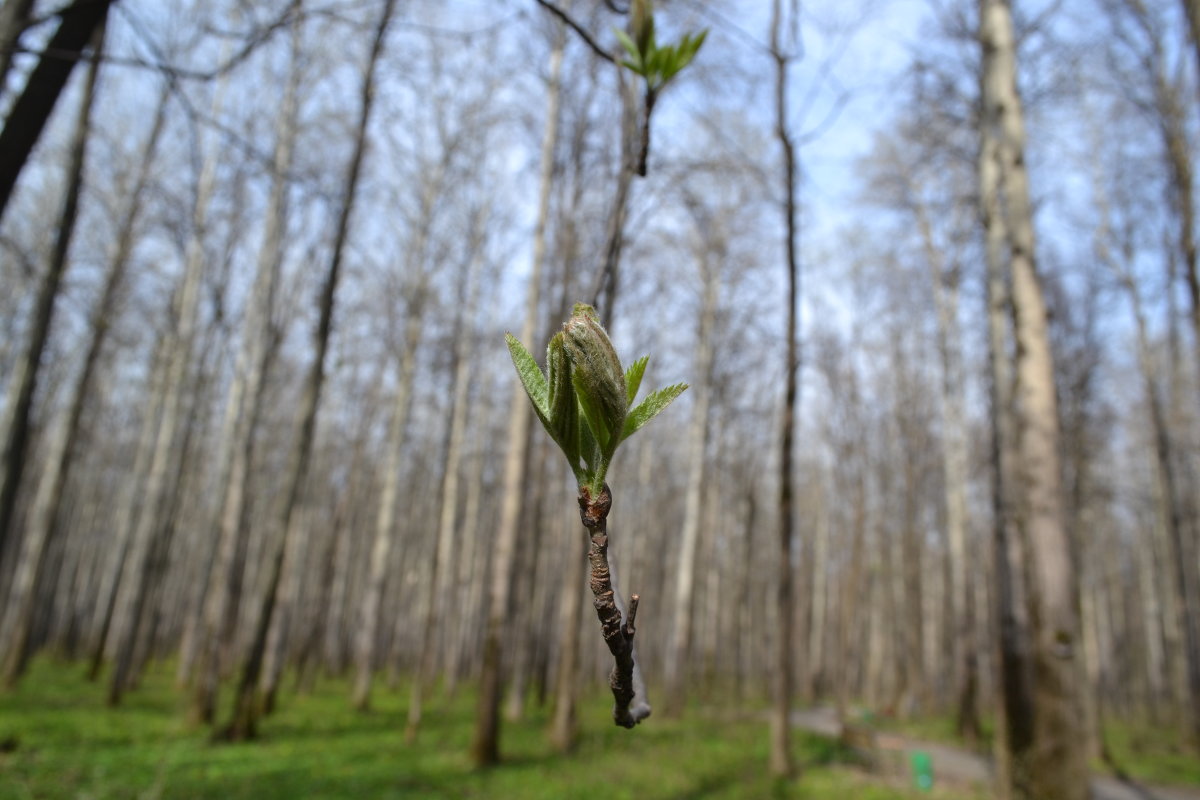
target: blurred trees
186 492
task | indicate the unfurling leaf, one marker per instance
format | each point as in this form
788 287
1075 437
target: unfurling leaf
563 408
650 408
584 401
633 378
531 377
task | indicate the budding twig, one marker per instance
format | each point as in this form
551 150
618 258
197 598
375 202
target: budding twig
628 708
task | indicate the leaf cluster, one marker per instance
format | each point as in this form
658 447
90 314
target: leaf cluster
658 64
585 399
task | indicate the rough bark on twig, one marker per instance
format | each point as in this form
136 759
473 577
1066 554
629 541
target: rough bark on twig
629 695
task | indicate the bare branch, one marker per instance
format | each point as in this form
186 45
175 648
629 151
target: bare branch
628 708
579 29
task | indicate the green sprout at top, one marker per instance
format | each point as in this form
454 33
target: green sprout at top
585 402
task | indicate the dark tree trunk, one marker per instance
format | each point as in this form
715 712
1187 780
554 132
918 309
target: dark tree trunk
19 615
25 122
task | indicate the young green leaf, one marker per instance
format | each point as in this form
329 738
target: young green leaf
633 378
592 413
650 408
628 44
531 377
589 448
563 409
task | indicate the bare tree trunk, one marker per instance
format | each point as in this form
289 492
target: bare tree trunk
485 744
1014 711
1169 512
18 616
679 650
442 568
954 469
368 626
608 280
246 709
529 561
564 727
243 410
1182 200
124 519
781 762
1057 761
294 559
157 497
25 121
472 571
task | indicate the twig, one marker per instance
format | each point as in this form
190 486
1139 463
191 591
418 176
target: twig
579 29
628 708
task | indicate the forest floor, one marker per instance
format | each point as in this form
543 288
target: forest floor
956 765
59 740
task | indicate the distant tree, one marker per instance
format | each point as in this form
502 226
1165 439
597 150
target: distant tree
781 757
1055 764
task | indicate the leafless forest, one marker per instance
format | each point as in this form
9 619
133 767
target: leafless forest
257 263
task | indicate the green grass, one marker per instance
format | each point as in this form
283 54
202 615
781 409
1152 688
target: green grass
69 745
1152 753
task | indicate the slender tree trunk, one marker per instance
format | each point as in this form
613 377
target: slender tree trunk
472 571
442 568
25 121
1182 199
781 762
746 586
1057 761
368 627
157 497
608 280
294 560
564 726
528 561
955 471
485 744
18 617
246 709
1014 717
678 653
124 519
1169 512
15 422
243 409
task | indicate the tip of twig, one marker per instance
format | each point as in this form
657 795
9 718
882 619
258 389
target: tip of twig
633 607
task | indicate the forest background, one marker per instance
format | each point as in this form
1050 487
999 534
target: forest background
259 416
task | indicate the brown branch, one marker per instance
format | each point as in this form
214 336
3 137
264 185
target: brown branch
579 29
618 632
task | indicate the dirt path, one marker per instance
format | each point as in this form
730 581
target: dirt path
959 765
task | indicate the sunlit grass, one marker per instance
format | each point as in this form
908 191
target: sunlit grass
69 745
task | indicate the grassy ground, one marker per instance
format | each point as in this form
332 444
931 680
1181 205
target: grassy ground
1152 753
66 744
